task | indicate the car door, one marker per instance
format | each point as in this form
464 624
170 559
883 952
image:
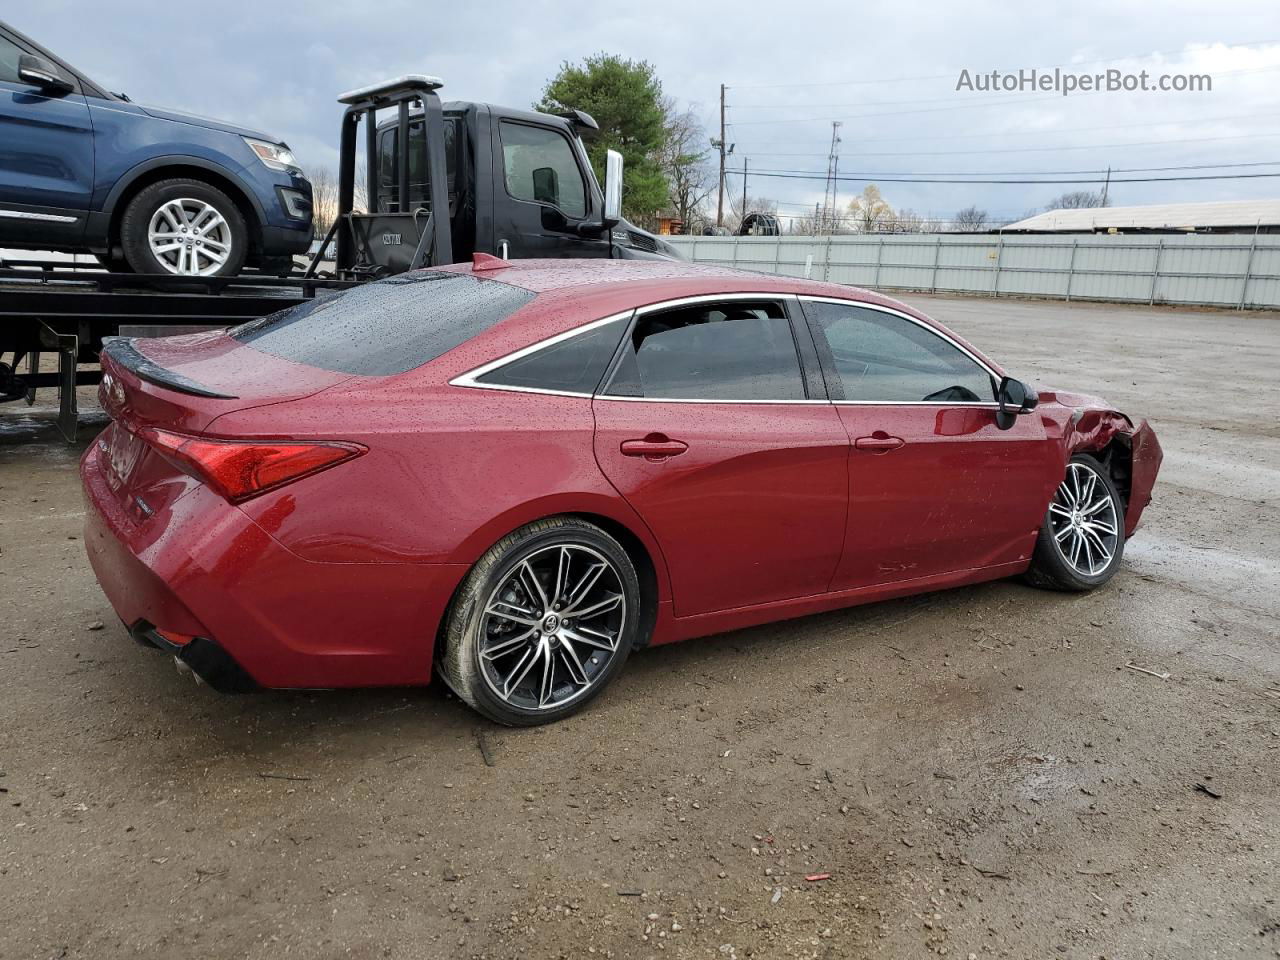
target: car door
731 454
935 486
546 194
46 158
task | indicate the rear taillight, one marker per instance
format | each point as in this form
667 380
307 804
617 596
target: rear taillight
241 469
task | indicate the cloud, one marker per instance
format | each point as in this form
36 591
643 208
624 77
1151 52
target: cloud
281 67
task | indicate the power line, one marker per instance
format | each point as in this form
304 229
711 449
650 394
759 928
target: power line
1055 149
854 179
1047 173
940 76
1018 133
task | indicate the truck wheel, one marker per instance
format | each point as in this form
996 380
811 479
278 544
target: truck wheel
184 228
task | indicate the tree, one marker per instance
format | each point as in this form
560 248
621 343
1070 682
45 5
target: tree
971 220
324 198
625 99
684 163
1078 200
870 212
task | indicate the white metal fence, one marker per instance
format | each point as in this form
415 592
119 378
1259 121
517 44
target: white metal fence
1221 270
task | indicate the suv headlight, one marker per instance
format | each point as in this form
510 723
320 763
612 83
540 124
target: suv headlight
275 155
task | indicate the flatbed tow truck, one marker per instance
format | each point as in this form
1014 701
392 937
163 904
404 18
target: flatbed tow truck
445 181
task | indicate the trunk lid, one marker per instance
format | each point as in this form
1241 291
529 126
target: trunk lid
181 384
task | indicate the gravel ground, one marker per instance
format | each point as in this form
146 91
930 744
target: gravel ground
973 773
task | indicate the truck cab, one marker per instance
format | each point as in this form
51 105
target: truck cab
518 185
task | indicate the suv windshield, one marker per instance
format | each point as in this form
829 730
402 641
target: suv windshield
386 327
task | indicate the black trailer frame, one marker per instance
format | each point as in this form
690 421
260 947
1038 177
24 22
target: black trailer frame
51 308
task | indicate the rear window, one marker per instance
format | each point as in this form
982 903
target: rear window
386 327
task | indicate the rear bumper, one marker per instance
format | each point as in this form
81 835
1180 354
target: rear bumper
207 659
202 568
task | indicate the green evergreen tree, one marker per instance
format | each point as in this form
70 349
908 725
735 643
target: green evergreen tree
625 98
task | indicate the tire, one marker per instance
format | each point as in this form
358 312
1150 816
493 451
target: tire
499 630
156 209
1074 550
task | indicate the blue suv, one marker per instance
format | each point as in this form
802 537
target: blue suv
144 189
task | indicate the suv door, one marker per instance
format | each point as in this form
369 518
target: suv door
935 486
46 159
729 452
542 194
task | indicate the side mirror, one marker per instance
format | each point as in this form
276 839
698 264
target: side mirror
1014 397
612 187
39 72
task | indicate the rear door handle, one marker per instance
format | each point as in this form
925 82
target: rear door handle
656 446
878 442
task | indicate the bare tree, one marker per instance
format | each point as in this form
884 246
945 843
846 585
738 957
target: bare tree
870 212
324 201
971 220
683 158
1078 200
324 198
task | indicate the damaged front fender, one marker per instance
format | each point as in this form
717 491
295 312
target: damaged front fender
1131 450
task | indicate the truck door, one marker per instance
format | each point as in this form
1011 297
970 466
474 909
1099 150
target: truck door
46 159
541 193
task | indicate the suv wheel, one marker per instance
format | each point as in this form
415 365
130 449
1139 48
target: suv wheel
184 228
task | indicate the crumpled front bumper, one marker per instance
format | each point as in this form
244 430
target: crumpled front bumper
1147 457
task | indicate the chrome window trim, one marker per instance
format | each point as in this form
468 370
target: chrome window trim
28 215
468 379
982 404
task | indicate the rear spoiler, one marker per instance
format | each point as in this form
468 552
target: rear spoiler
122 351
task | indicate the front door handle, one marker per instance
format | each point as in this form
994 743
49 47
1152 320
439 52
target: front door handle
656 446
878 442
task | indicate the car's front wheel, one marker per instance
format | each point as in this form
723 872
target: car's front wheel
542 623
184 228
1082 538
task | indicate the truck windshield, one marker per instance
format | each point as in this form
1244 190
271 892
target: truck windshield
387 327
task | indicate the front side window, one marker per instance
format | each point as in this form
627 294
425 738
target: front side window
539 166
720 351
883 358
9 54
384 328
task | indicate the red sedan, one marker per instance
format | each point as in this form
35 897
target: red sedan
517 474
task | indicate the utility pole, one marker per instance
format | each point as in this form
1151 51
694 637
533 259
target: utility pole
720 143
1106 186
744 188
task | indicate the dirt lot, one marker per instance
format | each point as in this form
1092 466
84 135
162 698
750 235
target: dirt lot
979 771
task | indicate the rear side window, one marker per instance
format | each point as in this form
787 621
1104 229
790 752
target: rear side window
387 327
573 364
727 351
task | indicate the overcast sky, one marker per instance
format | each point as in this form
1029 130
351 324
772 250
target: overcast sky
888 69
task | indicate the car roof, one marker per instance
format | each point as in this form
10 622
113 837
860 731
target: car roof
571 293
637 282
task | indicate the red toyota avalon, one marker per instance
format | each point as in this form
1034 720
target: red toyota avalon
516 474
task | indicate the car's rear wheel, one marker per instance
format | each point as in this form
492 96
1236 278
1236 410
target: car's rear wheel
184 228
542 623
1082 538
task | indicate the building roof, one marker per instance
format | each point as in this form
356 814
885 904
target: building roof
1159 216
